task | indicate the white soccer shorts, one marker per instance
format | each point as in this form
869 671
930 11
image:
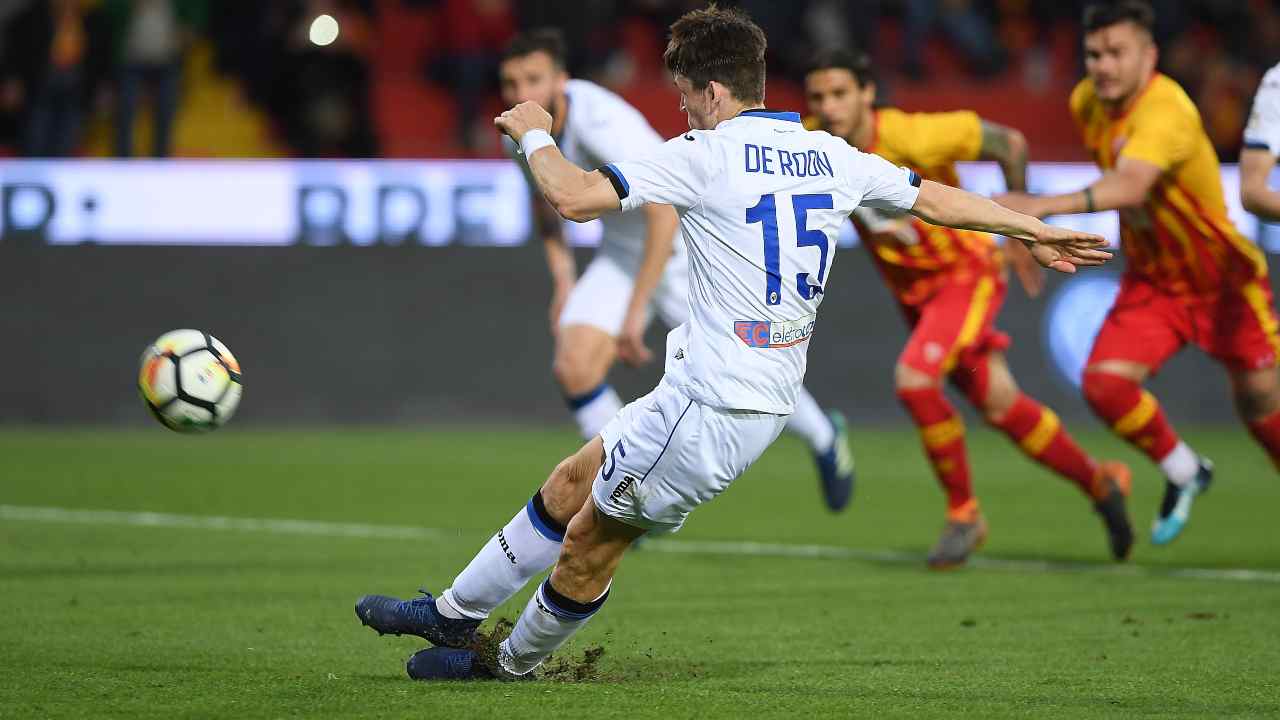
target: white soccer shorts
666 454
600 297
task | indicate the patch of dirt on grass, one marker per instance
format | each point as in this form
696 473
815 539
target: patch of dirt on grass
485 642
573 669
568 668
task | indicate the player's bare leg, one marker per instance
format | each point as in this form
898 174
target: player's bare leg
562 605
525 547
1037 431
593 547
569 484
573 593
942 433
584 354
1257 398
1114 390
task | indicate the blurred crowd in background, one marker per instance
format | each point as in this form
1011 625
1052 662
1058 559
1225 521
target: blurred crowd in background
417 78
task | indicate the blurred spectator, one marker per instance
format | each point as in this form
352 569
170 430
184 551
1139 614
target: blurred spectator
45 64
150 41
780 21
964 25
245 45
842 24
320 94
10 85
473 33
320 98
1218 51
590 29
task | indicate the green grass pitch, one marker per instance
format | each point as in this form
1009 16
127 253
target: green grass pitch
105 619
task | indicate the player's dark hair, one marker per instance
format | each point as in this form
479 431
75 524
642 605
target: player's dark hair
547 40
1105 14
717 44
856 62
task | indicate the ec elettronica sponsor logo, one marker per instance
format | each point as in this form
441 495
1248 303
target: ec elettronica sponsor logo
770 334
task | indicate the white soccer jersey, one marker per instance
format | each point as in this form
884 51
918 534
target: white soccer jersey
602 128
761 202
1263 131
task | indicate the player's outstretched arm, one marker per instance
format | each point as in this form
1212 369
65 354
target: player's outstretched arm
1056 248
1257 197
1126 186
576 194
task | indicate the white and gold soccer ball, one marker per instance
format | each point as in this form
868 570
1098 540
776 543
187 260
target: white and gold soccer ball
190 381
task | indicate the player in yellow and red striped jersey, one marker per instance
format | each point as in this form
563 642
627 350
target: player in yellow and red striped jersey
1191 276
950 285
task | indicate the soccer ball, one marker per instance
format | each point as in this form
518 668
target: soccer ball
190 381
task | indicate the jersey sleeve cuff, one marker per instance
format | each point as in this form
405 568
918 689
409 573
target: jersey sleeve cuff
618 180
1256 144
909 197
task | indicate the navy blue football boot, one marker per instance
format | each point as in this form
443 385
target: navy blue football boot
393 616
442 663
835 466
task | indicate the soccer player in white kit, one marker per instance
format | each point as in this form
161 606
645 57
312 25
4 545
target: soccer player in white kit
639 267
760 201
1261 148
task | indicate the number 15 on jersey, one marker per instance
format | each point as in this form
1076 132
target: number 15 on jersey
765 212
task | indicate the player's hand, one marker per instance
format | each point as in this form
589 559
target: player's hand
522 118
1025 266
1064 250
1025 203
631 347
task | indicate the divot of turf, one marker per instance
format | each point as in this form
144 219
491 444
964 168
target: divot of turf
557 668
574 669
485 643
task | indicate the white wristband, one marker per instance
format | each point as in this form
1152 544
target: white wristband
535 140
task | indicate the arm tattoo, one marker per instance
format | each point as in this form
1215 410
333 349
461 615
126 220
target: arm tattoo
995 141
997 145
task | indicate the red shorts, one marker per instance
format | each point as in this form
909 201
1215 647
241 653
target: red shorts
955 327
1238 328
